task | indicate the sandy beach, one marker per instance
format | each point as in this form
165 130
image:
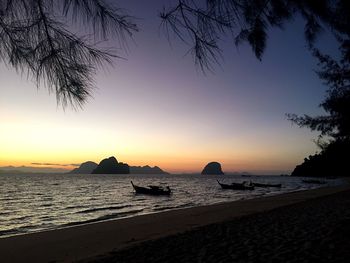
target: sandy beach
294 227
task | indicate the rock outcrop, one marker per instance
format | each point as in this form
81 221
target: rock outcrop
84 168
212 168
111 166
146 170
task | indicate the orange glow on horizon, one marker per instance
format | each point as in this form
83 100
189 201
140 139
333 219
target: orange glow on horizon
69 140
172 164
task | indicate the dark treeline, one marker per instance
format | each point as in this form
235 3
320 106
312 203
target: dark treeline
332 161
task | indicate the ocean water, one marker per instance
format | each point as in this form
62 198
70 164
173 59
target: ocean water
38 202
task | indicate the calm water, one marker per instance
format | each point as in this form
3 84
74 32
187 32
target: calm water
30 203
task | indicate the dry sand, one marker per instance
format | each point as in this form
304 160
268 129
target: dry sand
294 227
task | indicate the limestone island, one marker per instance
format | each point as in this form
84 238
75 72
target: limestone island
85 168
212 168
111 166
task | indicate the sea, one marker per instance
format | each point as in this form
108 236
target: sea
40 202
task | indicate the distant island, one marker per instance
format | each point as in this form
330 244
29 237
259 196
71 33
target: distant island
12 172
146 170
212 168
112 166
85 168
29 169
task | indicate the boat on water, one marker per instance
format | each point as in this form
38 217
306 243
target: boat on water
265 185
313 181
236 186
151 190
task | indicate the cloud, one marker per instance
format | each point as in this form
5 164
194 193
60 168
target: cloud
55 164
30 169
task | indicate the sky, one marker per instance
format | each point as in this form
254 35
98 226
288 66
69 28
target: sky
156 108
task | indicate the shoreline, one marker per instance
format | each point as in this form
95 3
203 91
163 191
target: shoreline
91 240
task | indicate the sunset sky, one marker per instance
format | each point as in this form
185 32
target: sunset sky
157 108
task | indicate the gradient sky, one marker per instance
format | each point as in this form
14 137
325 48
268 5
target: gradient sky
156 108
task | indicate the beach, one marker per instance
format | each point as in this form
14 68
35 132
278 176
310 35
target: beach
293 227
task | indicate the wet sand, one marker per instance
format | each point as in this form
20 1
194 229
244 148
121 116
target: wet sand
293 227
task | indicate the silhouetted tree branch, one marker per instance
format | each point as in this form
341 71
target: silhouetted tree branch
201 24
36 35
34 38
336 75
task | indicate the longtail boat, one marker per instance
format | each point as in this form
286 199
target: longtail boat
151 190
236 186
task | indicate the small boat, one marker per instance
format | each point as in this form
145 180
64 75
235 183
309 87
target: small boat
151 190
236 186
265 185
313 181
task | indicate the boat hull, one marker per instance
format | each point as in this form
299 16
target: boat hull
150 191
236 186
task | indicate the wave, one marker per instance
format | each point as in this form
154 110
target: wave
21 218
186 205
8 232
7 199
92 210
5 213
157 208
15 231
74 207
47 205
104 218
163 208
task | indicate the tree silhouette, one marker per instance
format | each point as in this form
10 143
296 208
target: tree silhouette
36 38
336 74
201 24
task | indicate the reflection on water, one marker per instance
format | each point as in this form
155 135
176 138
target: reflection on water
40 202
